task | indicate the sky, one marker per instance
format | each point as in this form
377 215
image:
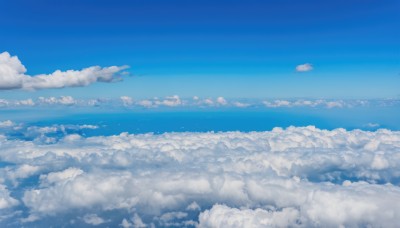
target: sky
233 49
180 113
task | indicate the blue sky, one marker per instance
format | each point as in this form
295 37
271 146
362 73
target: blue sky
238 49
277 113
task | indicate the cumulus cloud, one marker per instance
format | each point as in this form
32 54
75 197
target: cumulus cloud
93 219
176 102
63 100
126 101
240 104
6 123
223 216
170 101
221 101
298 176
13 76
312 103
304 67
6 201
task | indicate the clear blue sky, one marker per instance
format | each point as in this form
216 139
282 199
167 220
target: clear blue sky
245 49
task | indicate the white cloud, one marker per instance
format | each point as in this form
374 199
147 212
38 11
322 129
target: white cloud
135 222
240 104
223 216
208 101
12 72
65 100
27 102
146 103
175 101
126 101
6 123
193 207
372 125
310 103
221 101
170 101
304 67
310 177
12 76
6 201
93 219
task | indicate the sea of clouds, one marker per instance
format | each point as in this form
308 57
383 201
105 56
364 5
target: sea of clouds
293 177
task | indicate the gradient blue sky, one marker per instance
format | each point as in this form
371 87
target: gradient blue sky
238 49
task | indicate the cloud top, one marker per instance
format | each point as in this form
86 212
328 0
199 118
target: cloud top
12 76
296 177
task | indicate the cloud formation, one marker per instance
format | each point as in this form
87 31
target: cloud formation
304 67
175 101
298 176
12 76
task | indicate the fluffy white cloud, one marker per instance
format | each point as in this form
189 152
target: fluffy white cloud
312 103
304 67
63 100
241 104
223 216
126 101
299 176
176 102
170 101
6 123
6 201
221 101
12 72
93 219
12 76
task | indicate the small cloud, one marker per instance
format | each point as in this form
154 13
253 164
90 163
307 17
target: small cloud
240 104
193 207
222 101
126 101
93 219
372 125
304 67
6 123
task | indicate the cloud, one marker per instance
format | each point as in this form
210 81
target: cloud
178 102
193 207
6 201
12 76
298 176
126 101
224 216
312 103
221 101
240 104
6 123
63 100
370 125
170 101
93 219
304 67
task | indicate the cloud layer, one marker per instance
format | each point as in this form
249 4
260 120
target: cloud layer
12 76
196 102
299 177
